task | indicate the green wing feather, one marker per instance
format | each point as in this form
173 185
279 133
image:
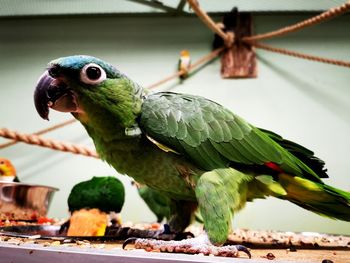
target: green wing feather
212 136
305 155
217 208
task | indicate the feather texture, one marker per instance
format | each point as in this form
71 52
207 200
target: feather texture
213 136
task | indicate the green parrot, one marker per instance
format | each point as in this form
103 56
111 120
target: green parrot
157 202
189 148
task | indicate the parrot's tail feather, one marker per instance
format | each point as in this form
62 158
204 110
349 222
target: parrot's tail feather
316 197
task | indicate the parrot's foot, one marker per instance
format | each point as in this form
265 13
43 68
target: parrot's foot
198 245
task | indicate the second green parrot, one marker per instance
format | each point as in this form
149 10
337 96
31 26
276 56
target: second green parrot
157 202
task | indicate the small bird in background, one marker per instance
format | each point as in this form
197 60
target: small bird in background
93 204
7 171
159 203
184 63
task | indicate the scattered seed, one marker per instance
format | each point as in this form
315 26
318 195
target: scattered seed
14 241
67 245
100 246
270 256
55 243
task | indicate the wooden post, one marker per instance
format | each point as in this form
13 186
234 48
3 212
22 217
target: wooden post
240 60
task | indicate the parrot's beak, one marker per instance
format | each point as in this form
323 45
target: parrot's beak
53 93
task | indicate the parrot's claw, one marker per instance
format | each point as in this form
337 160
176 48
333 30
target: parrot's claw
130 240
243 249
187 246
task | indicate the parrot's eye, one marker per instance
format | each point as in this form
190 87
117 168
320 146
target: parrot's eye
92 74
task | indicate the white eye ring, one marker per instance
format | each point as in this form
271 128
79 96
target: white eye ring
92 74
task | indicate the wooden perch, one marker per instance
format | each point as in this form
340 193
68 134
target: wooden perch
239 60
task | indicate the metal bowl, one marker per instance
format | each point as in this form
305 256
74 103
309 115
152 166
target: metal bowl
19 201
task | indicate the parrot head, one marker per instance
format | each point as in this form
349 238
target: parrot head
185 53
6 168
67 78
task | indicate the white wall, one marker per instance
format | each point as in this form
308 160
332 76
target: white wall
303 101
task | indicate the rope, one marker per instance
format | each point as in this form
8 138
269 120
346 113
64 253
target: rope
301 55
251 40
207 58
327 15
48 143
54 127
196 64
227 37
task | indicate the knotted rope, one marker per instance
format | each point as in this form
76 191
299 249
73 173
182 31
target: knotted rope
52 128
301 55
252 40
227 37
52 144
327 15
